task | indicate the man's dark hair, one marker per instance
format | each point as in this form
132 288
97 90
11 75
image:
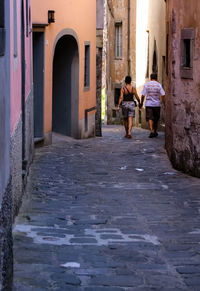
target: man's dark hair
153 76
128 80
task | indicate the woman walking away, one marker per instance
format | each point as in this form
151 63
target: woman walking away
128 105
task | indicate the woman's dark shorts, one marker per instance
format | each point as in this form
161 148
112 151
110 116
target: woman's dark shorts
152 113
128 109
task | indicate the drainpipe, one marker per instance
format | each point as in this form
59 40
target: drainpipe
128 41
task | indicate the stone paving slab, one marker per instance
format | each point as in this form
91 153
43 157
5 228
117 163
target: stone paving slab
107 214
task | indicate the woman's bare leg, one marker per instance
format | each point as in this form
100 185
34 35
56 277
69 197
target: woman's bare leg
126 125
130 124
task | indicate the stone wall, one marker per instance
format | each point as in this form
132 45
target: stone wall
19 168
5 183
29 133
183 86
16 167
98 130
99 52
6 261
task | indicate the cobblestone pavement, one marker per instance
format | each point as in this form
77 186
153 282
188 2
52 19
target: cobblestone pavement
108 214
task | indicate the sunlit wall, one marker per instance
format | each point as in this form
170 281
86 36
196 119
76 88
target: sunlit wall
141 41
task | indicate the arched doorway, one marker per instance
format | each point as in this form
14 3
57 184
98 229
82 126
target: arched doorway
66 87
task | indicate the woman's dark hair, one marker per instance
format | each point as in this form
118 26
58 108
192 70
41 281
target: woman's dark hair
128 80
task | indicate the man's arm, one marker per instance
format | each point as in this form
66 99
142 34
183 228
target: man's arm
163 100
136 95
142 101
144 93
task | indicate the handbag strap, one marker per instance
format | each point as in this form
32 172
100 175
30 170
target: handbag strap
129 92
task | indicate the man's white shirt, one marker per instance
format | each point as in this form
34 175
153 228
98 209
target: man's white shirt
153 90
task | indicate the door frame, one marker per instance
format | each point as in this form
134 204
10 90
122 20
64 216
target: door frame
74 123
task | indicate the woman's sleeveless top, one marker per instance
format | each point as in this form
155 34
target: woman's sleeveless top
128 96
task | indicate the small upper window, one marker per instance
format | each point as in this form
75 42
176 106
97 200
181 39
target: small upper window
187 47
118 40
87 66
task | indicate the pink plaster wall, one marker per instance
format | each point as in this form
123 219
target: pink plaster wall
16 91
15 70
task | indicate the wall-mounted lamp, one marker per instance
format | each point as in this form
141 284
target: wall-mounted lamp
51 16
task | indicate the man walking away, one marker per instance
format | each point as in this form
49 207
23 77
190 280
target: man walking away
153 91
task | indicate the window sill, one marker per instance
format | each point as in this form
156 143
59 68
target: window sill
186 73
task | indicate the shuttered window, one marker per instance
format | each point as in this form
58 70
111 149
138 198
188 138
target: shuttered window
118 40
187 48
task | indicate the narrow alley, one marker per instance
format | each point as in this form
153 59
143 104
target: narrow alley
107 214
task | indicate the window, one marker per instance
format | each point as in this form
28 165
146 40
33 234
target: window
87 66
187 46
118 40
163 71
2 29
167 53
117 95
154 63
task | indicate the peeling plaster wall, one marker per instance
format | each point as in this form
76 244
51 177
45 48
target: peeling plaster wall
183 102
117 69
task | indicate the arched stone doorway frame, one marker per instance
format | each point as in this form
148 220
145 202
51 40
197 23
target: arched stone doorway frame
68 32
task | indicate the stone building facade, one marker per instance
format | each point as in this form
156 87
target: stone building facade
16 122
99 52
119 51
150 47
183 85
